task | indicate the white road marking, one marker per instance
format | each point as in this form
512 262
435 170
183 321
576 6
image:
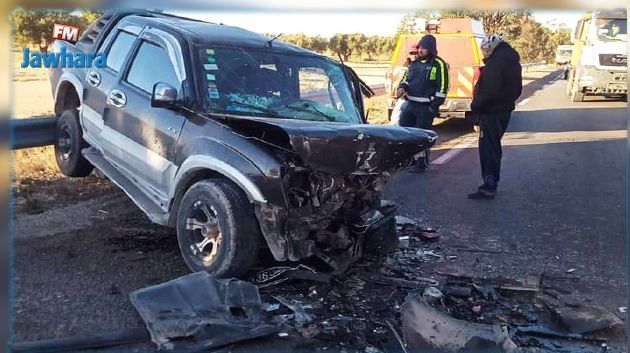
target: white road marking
457 149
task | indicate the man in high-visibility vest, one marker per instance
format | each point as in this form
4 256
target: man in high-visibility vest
424 86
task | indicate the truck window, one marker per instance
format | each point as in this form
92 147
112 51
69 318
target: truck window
151 65
119 50
611 28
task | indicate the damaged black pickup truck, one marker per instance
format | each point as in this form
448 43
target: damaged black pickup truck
239 141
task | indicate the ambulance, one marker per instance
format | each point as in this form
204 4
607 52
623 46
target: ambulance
458 43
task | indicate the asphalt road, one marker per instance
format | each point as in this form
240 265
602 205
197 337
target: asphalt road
561 206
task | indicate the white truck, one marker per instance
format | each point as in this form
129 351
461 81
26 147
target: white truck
599 62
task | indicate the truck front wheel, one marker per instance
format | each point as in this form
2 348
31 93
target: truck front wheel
69 144
569 87
577 95
217 230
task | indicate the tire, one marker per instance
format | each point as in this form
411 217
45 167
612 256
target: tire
68 145
577 95
569 86
217 209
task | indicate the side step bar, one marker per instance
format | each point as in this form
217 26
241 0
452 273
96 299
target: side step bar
152 210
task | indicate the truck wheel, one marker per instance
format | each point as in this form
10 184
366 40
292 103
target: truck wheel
69 144
569 83
217 230
577 95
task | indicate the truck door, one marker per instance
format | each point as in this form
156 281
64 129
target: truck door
99 82
144 139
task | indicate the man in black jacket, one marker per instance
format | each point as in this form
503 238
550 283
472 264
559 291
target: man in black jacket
498 88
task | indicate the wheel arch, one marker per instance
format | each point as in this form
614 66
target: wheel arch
200 167
67 95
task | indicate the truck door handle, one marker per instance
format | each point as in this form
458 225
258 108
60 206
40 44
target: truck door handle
116 98
94 78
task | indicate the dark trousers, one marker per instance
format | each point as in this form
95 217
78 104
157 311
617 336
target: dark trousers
418 115
492 128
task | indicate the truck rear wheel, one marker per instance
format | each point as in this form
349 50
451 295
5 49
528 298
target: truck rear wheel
217 230
68 145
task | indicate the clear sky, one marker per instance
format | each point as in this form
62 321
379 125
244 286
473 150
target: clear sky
329 23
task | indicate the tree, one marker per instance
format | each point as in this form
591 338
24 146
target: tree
339 45
561 37
319 44
355 43
370 46
33 26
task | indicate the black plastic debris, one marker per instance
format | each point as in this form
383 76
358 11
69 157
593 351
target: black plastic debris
276 275
410 227
197 311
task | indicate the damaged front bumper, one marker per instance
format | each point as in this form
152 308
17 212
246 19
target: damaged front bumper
332 177
328 237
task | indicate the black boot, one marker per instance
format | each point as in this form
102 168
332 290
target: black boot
482 194
487 190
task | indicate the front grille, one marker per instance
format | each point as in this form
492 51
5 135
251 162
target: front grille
613 59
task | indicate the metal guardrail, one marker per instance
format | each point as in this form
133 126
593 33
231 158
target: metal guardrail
32 132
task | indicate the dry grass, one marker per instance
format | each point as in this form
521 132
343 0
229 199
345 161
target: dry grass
35 163
39 184
377 109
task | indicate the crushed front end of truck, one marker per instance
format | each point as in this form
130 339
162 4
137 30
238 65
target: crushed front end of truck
332 184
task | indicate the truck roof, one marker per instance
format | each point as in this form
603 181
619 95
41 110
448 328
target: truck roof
223 35
196 31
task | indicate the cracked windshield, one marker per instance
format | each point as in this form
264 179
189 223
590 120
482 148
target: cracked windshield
277 85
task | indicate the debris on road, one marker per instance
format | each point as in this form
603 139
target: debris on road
432 295
411 228
397 336
276 275
585 319
300 316
531 283
426 328
400 282
403 241
200 312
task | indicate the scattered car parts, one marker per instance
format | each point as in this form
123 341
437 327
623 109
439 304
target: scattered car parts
200 312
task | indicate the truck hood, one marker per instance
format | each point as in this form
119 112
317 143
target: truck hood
339 148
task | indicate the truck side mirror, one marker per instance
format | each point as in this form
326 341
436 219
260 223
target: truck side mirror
163 96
